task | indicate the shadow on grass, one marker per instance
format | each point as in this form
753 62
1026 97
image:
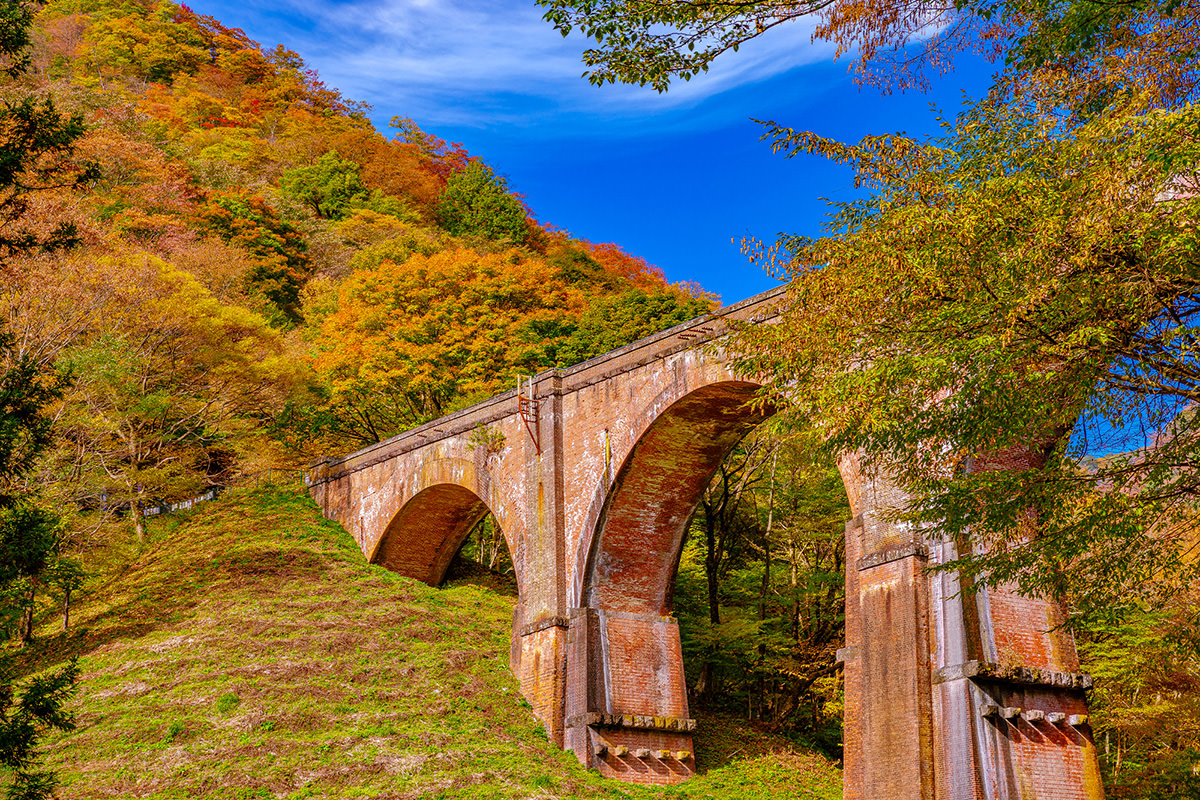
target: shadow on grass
721 737
161 593
465 572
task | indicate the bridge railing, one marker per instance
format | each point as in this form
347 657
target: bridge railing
270 476
686 335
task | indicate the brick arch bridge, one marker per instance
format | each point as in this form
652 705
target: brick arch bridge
592 474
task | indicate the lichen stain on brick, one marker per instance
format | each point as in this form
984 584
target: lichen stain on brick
594 541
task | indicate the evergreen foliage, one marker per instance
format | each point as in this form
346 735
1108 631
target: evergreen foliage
25 390
33 140
476 202
30 536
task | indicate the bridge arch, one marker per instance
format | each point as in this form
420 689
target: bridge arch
627 687
637 522
442 501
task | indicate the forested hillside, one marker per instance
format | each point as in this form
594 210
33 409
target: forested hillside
211 264
260 275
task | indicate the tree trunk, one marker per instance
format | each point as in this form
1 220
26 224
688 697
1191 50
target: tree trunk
712 564
66 608
766 584
139 519
26 632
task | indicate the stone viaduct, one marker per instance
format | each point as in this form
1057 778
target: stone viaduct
593 472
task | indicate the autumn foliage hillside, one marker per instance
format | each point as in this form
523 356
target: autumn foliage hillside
261 276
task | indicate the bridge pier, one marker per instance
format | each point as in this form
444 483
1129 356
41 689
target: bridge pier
540 623
949 695
627 709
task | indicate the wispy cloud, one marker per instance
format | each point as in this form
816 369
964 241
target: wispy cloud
488 62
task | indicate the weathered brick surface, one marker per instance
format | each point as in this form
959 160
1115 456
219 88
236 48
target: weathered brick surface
851 657
592 494
653 767
645 666
541 670
1028 631
895 726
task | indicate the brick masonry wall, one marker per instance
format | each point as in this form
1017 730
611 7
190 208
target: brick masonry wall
894 726
1051 760
650 756
368 501
541 671
644 666
850 656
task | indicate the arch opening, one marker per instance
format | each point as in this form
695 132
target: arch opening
760 590
637 539
484 559
425 534
627 688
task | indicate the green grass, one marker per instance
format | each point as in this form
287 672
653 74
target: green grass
250 652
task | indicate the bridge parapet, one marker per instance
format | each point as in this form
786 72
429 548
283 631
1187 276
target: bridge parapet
682 337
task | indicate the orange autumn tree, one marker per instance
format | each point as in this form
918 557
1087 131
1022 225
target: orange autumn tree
407 339
414 338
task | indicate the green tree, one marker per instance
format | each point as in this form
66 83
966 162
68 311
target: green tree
28 547
148 44
759 593
1042 285
615 320
282 265
476 201
25 389
897 43
329 187
1146 705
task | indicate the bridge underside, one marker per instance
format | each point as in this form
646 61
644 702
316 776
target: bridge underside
949 696
424 536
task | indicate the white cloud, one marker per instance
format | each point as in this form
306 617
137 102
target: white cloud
484 62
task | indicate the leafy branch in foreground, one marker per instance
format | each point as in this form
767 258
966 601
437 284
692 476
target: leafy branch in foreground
1021 286
896 44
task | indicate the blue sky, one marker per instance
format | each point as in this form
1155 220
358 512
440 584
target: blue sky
670 177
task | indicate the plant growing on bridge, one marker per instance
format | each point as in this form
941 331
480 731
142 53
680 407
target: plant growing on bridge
487 438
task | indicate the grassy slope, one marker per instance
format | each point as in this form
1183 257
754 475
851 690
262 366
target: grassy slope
250 652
